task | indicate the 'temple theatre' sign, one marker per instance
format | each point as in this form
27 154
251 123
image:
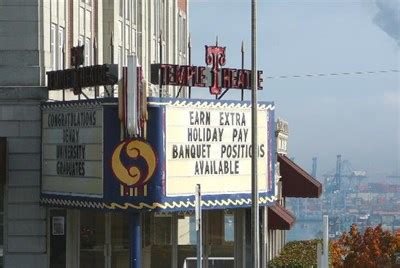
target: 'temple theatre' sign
213 77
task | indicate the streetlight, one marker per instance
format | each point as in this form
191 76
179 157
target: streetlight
255 238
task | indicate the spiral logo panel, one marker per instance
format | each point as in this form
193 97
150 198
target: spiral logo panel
133 164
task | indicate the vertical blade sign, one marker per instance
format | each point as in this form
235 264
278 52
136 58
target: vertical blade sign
132 97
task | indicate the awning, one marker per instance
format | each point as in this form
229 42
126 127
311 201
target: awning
295 181
279 218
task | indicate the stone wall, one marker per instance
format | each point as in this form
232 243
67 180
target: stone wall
19 43
25 220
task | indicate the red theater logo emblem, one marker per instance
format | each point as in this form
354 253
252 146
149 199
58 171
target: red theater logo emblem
215 56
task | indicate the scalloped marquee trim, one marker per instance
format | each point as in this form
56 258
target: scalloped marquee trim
155 205
210 104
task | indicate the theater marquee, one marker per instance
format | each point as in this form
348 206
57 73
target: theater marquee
72 149
211 145
86 164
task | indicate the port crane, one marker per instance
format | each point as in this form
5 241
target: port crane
333 181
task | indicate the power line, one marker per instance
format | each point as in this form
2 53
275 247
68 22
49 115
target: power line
332 74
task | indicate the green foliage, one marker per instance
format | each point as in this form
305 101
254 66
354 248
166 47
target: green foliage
297 254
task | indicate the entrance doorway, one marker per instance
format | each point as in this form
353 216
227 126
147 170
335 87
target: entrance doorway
104 240
98 239
170 239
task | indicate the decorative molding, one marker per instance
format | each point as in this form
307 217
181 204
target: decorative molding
155 205
72 203
71 104
210 104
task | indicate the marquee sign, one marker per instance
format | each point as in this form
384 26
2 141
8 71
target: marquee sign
205 143
71 149
214 77
80 77
89 76
188 142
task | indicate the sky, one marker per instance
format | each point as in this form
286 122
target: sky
357 116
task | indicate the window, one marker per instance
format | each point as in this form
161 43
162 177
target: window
88 21
133 11
167 19
60 48
180 30
81 20
1 220
162 230
229 227
134 41
53 47
121 8
187 230
183 38
156 49
162 19
121 31
2 192
92 239
119 240
87 52
161 250
120 62
127 36
156 16
127 9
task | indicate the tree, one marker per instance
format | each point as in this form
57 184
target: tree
297 254
374 248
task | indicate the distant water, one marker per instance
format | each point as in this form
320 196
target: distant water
305 230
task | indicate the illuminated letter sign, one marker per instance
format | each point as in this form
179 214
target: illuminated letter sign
213 77
89 76
216 56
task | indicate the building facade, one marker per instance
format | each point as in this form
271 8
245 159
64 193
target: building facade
36 36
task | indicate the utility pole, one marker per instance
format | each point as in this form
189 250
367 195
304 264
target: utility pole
199 227
255 237
325 242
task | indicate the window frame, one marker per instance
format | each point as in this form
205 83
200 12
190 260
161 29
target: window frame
60 47
53 46
3 185
2 221
87 52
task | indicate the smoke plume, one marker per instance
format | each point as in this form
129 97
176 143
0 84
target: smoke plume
388 18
